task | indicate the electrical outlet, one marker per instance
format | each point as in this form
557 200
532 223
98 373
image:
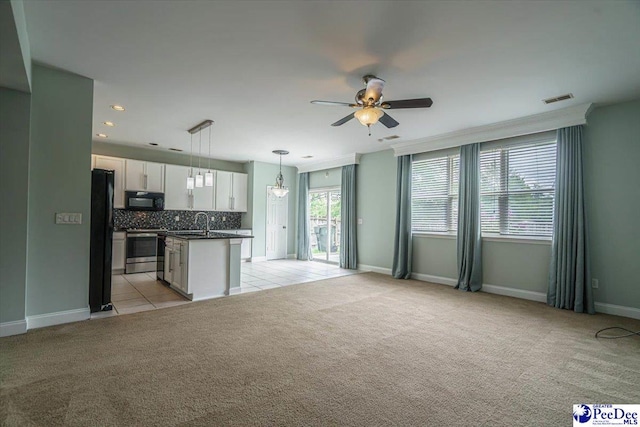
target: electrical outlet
224 218
595 283
177 218
359 221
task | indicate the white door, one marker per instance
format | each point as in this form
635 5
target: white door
277 221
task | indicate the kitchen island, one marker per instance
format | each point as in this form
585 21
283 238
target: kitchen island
202 265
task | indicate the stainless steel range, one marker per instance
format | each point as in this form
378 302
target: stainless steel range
142 254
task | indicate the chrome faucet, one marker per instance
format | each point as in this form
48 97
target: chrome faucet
195 222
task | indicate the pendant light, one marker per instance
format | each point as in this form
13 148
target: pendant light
199 179
279 189
190 180
208 177
199 176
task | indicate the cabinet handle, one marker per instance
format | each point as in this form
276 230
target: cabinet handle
145 180
180 255
170 260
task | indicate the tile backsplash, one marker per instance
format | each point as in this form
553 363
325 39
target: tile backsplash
123 219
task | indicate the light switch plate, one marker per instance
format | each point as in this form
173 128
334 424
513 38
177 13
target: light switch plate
73 218
359 221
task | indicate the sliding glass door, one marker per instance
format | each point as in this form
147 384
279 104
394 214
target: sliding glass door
324 215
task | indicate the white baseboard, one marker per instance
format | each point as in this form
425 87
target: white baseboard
617 310
434 279
258 258
57 318
516 293
13 328
374 269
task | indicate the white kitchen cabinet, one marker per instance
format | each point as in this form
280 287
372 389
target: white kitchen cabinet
176 195
144 176
203 197
118 166
231 191
118 252
176 256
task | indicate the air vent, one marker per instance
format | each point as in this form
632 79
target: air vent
558 98
153 143
388 138
307 157
175 149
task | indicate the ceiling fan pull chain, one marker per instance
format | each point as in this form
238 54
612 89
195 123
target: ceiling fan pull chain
369 127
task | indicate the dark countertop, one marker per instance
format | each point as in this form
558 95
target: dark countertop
200 236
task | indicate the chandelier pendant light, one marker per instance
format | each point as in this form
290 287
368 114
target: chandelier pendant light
369 116
190 180
199 179
208 177
279 189
199 176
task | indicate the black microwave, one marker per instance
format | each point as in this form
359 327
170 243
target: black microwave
143 201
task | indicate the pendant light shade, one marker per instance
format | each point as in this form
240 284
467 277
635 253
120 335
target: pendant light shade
369 116
279 189
199 180
208 179
190 183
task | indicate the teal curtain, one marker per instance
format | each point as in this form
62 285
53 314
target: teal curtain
304 246
348 219
469 232
569 275
402 245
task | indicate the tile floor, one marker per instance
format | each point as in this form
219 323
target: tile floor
132 293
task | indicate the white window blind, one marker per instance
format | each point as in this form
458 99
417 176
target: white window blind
517 189
434 194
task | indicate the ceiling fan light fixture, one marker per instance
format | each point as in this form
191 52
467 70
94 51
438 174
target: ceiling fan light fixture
369 115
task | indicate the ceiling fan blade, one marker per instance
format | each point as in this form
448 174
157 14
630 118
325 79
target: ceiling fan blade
407 103
388 121
343 120
374 89
332 103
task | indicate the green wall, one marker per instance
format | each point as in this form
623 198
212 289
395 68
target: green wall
14 181
325 178
612 177
59 181
376 205
612 180
263 176
159 156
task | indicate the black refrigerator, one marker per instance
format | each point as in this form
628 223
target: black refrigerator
101 240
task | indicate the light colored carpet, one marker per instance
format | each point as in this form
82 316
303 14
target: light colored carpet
357 350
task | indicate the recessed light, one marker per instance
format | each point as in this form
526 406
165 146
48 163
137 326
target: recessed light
175 149
110 124
101 135
153 143
117 107
307 157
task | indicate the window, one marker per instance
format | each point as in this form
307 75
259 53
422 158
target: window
517 189
434 194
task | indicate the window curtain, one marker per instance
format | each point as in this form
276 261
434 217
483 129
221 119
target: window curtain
348 220
402 245
469 230
304 246
569 275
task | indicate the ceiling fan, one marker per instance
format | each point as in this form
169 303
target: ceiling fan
370 105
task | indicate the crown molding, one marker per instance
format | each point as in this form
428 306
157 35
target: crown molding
542 122
336 162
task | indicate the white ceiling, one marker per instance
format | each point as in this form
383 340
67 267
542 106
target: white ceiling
253 67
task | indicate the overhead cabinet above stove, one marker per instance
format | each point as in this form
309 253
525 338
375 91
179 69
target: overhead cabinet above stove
144 176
